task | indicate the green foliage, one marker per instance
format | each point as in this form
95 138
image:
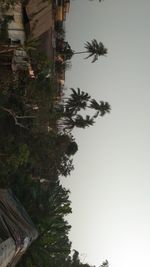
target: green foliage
34 153
93 48
78 121
81 101
74 261
101 108
6 4
32 161
14 155
77 101
105 264
53 243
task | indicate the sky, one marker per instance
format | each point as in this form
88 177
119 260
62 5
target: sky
110 186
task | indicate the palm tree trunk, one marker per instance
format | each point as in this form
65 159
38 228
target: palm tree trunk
80 52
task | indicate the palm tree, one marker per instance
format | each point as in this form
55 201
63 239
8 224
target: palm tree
93 48
101 108
105 264
79 122
99 0
77 101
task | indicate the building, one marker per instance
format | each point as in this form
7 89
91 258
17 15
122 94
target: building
7 251
12 38
12 28
40 17
17 231
41 25
62 8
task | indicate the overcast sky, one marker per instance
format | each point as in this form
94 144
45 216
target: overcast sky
110 186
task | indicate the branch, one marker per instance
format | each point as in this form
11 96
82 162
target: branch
15 117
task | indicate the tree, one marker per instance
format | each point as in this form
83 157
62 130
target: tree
77 101
69 116
72 148
105 264
74 261
52 246
79 122
6 4
99 0
101 108
93 48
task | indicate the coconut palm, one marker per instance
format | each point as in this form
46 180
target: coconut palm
99 0
105 264
77 101
101 108
93 48
79 122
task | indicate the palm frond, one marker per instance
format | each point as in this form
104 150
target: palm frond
95 49
101 108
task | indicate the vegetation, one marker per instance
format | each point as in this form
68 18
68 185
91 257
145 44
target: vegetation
5 4
93 48
37 147
38 153
78 101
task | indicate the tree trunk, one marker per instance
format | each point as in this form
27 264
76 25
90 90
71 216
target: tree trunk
16 117
81 52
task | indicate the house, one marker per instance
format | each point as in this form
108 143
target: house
62 8
12 28
40 17
12 38
17 231
41 25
